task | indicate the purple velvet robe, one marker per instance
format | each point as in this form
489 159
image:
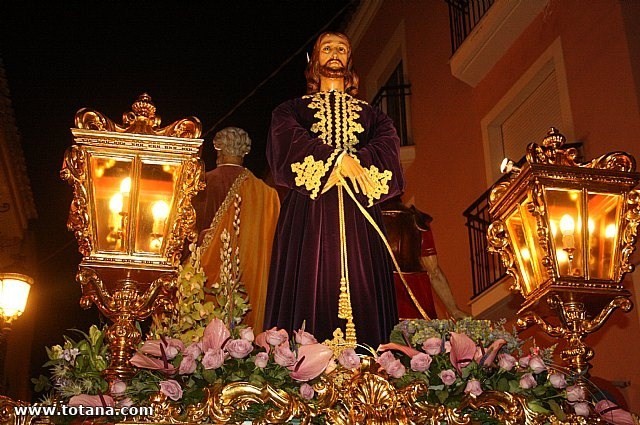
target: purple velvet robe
304 281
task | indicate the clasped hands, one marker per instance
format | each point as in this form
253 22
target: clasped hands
349 168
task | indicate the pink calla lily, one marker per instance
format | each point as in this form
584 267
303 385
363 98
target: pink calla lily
92 400
462 350
492 352
409 351
313 359
613 414
140 360
215 335
155 347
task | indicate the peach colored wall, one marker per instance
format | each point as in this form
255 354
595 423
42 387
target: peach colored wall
448 173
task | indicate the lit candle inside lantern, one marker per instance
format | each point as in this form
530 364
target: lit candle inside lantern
567 227
125 189
610 231
160 211
115 206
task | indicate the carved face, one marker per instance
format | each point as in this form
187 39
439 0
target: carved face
333 55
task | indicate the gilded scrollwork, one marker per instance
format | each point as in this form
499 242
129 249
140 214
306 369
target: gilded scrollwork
192 182
74 172
142 119
629 232
498 238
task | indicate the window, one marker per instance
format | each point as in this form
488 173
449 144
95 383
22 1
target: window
390 99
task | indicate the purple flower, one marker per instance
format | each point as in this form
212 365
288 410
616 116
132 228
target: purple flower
213 358
276 337
349 359
527 381
506 361
187 365
557 380
396 369
305 338
432 346
171 389
473 387
239 348
117 387
421 362
524 361
612 413
448 376
283 355
575 393
306 391
262 359
385 359
193 350
536 364
247 334
155 347
581 408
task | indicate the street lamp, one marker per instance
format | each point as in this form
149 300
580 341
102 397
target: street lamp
565 231
131 213
14 292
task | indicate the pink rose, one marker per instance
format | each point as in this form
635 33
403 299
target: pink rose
421 362
261 360
575 393
396 369
247 334
473 387
349 359
432 346
581 409
506 361
306 391
276 337
305 338
213 358
528 381
239 348
125 402
385 359
117 387
187 365
193 350
171 389
448 376
557 380
536 364
524 361
283 355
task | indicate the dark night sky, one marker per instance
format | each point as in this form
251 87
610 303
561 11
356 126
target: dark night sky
193 58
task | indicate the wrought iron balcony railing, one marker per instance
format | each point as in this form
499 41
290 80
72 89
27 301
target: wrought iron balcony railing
464 15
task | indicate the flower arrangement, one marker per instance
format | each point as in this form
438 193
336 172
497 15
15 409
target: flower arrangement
204 344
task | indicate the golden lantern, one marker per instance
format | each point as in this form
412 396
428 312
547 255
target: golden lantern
14 293
565 231
131 213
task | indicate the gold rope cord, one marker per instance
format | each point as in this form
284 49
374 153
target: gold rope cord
344 302
386 243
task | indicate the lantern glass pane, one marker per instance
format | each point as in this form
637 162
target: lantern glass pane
565 213
540 272
13 296
518 240
603 225
111 189
157 185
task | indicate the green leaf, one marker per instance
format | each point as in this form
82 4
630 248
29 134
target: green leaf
557 410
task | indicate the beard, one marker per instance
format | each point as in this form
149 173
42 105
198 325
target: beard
329 72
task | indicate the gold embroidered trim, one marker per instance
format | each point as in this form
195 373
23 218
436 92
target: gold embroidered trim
336 124
228 201
381 182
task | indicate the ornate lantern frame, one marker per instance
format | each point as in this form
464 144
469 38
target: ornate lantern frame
550 262
126 279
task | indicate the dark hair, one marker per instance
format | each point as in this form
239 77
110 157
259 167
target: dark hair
312 73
